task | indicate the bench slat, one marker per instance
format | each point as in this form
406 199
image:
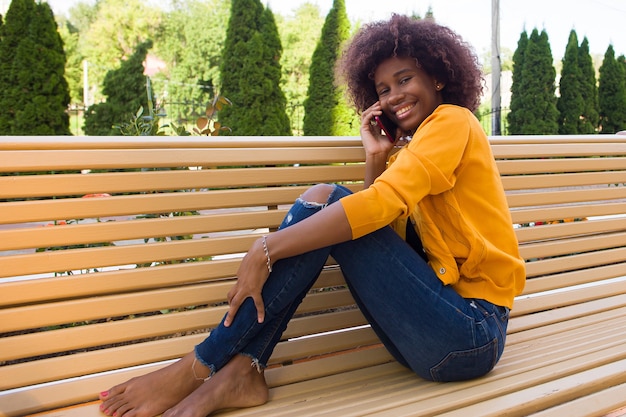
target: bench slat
546 301
573 278
570 263
552 150
543 166
545 214
112 231
126 182
81 208
596 404
59 160
565 197
556 231
131 280
165 142
573 245
521 182
95 308
551 393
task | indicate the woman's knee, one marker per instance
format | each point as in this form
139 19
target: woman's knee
318 193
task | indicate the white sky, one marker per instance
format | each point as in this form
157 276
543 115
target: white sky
602 21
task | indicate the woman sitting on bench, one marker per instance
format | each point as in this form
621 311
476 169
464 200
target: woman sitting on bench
427 248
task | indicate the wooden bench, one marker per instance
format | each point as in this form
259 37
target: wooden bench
134 276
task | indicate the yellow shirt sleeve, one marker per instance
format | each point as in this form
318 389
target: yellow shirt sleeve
427 165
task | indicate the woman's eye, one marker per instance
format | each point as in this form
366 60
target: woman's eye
405 80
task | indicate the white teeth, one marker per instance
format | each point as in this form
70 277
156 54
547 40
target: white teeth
403 110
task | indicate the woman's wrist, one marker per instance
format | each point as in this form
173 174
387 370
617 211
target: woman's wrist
268 259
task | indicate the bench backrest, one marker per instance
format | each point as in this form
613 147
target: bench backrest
116 254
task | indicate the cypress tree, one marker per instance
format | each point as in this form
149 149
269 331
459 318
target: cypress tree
250 72
3 84
537 102
242 25
275 121
570 102
33 91
45 93
15 25
326 112
589 91
125 92
515 118
612 93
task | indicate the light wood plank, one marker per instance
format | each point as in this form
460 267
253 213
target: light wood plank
59 160
125 182
552 180
546 301
561 230
114 231
543 166
544 214
596 404
566 197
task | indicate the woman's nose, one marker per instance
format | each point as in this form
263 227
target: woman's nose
395 96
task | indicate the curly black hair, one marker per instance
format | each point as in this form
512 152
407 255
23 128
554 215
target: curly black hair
437 50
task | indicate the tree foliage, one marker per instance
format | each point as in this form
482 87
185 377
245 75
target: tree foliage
590 118
74 61
191 39
570 102
612 93
33 91
125 91
116 28
535 111
251 72
515 116
299 36
326 111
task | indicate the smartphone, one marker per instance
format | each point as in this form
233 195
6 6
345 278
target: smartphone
387 126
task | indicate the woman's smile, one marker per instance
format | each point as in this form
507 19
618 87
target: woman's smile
407 94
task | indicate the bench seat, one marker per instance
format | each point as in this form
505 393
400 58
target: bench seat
116 259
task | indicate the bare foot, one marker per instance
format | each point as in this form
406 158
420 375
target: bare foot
151 394
237 385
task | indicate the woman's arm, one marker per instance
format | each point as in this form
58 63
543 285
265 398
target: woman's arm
326 227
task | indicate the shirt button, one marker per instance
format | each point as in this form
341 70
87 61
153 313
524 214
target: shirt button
442 270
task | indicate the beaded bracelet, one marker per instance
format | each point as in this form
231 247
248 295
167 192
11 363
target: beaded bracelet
267 253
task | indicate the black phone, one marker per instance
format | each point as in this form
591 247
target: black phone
387 126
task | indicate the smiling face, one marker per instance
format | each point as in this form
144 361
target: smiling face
407 94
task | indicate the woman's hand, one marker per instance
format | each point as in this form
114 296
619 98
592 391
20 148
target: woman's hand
251 277
377 146
374 142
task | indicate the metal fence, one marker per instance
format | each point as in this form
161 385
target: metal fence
185 113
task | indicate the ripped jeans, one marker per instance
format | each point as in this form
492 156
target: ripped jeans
425 325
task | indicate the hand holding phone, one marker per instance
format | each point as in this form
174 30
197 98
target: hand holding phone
387 126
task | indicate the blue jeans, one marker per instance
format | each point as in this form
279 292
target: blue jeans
425 325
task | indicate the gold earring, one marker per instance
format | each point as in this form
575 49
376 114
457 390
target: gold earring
438 87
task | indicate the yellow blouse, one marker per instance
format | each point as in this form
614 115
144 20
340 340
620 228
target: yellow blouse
446 181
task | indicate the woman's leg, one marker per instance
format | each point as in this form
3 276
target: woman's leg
289 282
427 326
230 350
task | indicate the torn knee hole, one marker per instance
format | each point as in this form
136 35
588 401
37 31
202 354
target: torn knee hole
317 195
